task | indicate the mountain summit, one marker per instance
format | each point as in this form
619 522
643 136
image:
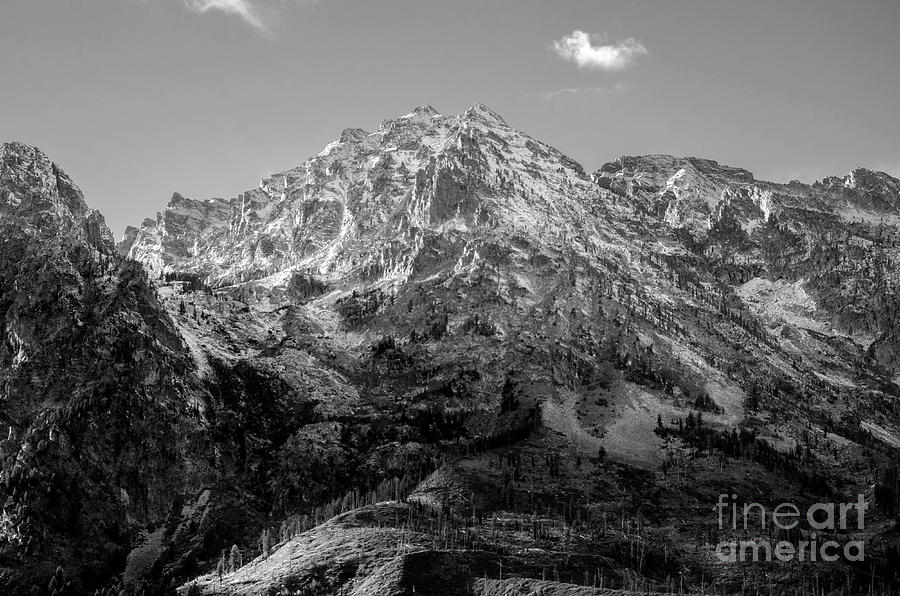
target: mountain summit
41 200
370 203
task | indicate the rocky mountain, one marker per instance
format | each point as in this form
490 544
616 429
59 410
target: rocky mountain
443 351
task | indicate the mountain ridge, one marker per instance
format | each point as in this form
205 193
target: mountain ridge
446 341
275 188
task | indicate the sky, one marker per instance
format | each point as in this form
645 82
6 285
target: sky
137 99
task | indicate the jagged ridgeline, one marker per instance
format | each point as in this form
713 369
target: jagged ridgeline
442 358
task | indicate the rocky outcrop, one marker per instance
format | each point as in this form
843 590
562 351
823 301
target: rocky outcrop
128 237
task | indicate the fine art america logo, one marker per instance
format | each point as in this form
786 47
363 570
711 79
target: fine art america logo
810 545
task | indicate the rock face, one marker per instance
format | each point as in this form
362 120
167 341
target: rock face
123 246
93 375
42 201
370 204
829 237
440 357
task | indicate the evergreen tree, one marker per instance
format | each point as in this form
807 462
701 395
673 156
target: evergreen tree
234 562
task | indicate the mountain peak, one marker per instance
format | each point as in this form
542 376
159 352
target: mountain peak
865 175
39 198
481 112
17 147
425 110
25 158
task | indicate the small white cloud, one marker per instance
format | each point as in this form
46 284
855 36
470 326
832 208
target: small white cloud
241 8
619 87
259 14
577 47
